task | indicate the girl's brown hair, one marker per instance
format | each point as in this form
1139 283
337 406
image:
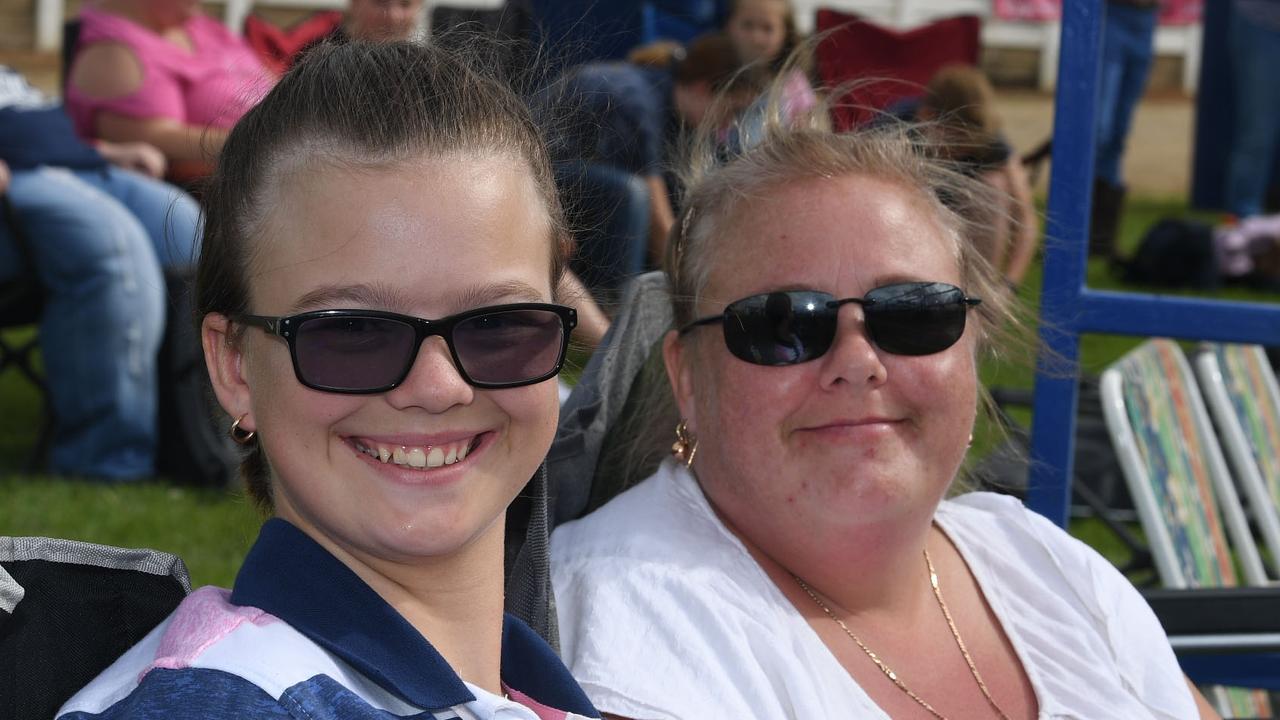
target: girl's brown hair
357 105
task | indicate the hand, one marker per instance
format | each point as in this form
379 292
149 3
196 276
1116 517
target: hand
4 177
138 156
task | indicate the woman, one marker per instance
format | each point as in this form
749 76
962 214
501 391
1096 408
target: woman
162 72
796 558
387 446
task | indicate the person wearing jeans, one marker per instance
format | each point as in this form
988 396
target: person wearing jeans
1255 55
1127 36
97 234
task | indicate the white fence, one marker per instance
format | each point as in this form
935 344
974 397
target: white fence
1179 41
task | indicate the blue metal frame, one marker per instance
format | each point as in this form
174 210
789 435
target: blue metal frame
1068 308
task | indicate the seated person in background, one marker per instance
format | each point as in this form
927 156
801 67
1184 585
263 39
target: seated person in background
630 117
764 32
161 72
368 20
961 105
98 228
387 447
797 558
381 20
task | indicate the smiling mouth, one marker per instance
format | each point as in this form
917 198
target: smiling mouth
418 456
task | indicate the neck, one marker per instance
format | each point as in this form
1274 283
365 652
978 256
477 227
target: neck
869 570
455 602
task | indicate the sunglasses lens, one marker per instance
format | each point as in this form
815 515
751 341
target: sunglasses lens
510 346
353 352
781 328
916 318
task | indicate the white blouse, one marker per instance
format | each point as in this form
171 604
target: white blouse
664 615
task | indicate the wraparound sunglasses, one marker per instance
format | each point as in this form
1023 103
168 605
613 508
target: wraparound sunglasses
795 326
371 351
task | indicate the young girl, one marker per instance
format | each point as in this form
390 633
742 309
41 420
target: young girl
377 293
763 32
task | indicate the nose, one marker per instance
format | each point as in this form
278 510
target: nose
852 358
434 382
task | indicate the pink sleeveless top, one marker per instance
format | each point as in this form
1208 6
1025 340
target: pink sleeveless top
210 87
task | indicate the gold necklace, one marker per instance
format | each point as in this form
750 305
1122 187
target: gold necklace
888 672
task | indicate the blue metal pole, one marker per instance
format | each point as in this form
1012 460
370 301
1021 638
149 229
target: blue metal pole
1071 181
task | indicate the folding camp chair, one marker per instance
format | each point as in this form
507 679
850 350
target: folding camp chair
1244 400
890 65
68 609
1184 495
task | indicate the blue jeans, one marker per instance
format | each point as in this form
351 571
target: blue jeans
98 240
1127 38
1255 55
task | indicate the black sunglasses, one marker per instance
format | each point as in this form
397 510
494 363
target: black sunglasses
370 351
795 326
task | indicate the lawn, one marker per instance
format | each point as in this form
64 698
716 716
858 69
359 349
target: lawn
212 529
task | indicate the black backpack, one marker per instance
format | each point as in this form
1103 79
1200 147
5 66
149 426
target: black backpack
1175 253
193 445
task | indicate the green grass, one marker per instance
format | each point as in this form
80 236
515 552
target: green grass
211 530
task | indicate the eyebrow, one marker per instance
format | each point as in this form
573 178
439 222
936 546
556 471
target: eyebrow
381 296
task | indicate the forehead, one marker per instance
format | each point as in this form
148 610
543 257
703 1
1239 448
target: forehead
843 235
425 231
761 9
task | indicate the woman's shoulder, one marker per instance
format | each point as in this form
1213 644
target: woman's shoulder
181 667
212 658
664 519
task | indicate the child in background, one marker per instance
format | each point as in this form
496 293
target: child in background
763 32
960 101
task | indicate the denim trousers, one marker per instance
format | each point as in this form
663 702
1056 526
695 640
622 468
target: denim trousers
1255 55
1127 51
98 240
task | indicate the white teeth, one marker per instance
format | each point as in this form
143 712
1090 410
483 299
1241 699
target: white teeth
435 458
417 458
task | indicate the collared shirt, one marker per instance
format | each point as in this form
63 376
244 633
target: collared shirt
302 636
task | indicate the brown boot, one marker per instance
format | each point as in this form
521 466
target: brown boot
1104 224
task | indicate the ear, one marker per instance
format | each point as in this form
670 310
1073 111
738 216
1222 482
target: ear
223 358
677 357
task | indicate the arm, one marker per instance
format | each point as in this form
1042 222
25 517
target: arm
110 70
180 143
1206 710
592 322
1027 229
139 156
4 177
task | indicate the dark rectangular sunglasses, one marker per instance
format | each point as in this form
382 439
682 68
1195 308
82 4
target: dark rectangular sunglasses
371 351
795 326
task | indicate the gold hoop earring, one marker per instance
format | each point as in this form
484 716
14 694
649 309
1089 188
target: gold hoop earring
686 445
239 435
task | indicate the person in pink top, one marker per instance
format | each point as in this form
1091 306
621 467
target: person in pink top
159 71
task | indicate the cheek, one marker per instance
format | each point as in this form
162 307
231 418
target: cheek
532 412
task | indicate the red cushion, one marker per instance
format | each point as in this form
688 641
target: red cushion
894 64
277 47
